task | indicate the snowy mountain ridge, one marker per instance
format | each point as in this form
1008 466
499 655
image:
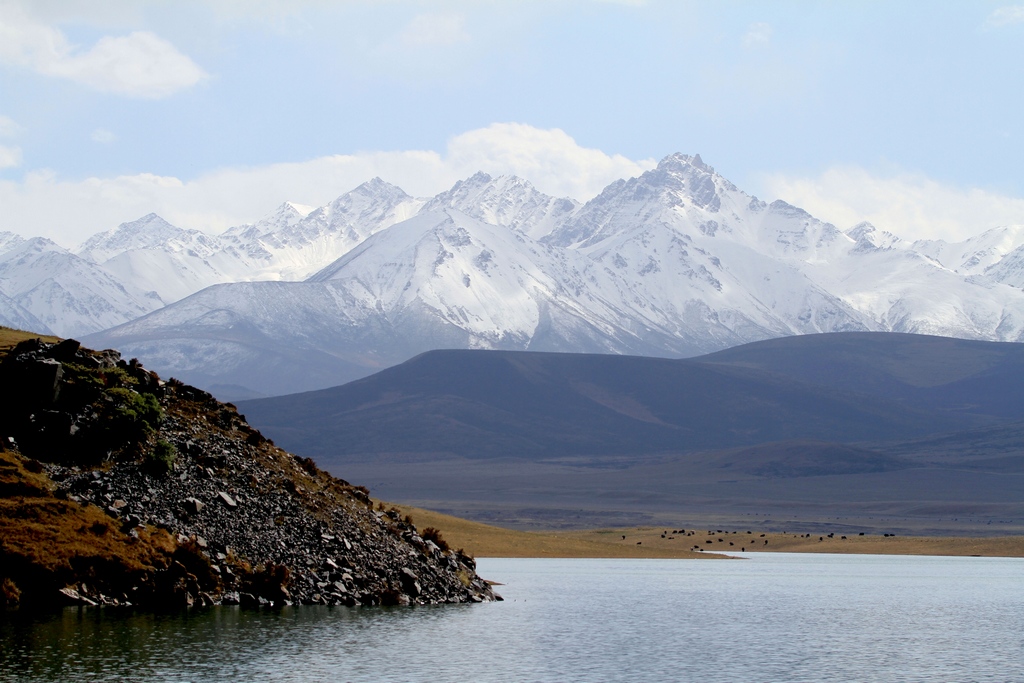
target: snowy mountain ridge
678 261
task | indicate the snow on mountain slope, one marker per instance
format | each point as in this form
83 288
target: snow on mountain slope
1009 269
974 255
706 259
284 217
905 291
152 254
869 238
774 269
145 233
13 315
498 286
68 294
508 201
676 262
998 254
252 338
300 248
8 241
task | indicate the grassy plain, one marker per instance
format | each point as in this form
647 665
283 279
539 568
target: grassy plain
483 540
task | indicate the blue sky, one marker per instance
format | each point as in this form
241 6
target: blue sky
908 114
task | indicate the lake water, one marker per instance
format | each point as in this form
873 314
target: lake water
773 617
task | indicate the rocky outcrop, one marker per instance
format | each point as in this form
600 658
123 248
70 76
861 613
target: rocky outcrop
205 509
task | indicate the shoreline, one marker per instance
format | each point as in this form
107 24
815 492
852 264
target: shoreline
484 540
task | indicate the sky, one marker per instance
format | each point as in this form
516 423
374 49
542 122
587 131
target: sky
211 114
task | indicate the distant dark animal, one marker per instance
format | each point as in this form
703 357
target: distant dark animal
842 538
766 541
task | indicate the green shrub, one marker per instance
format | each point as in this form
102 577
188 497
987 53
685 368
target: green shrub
160 460
131 410
126 417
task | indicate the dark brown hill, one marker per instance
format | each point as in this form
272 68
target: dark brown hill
840 419
118 488
837 388
953 376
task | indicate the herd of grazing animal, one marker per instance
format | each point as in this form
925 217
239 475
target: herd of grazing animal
720 537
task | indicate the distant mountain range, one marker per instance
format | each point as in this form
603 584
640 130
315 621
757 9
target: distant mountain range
677 262
862 425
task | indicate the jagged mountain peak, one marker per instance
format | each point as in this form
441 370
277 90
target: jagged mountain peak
9 240
676 260
151 225
689 178
506 200
285 215
680 161
481 187
300 209
867 236
146 232
681 187
35 245
375 190
68 293
374 197
289 212
377 185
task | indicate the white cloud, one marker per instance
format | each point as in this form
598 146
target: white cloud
430 30
8 128
70 211
140 64
1010 14
10 156
102 136
757 35
550 159
909 205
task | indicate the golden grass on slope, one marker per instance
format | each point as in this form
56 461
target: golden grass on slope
9 337
45 542
482 540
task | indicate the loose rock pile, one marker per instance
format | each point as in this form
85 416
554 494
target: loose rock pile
252 524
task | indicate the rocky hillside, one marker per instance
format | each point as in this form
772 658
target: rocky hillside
118 488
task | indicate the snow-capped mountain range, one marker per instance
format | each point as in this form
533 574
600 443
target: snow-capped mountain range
676 262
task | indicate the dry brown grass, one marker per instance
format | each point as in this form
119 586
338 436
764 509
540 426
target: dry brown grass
47 543
9 337
482 540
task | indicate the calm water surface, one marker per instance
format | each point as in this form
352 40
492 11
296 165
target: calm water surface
774 617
